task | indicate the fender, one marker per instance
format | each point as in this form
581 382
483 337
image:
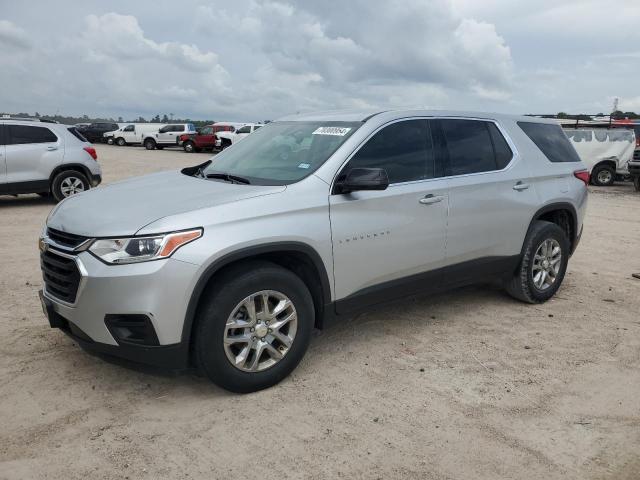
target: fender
550 208
70 166
246 253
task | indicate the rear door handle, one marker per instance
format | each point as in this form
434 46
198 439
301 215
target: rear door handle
52 148
431 199
520 186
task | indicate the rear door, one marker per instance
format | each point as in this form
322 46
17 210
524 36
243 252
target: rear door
384 242
491 195
32 152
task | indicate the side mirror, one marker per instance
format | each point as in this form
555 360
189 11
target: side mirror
358 179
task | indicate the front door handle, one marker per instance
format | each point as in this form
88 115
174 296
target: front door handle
431 199
52 148
520 186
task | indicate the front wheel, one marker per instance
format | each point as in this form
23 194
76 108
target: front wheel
253 327
603 175
110 141
543 264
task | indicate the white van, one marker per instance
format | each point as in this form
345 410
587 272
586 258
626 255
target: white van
605 152
132 133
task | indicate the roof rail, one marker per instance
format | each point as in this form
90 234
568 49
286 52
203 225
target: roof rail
27 119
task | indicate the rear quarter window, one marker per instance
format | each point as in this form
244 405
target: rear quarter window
74 131
551 140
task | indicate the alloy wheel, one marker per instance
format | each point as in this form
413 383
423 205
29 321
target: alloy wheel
71 185
260 331
546 264
604 176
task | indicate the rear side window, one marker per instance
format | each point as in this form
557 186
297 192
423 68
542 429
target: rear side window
74 131
2 142
551 140
21 134
404 149
469 146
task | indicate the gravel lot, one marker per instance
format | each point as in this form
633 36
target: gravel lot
468 385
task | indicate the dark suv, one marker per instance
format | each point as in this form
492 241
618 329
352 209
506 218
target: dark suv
95 132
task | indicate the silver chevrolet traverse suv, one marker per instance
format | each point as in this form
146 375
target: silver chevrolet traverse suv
229 265
45 158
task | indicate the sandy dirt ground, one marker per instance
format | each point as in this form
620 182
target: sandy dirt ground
468 385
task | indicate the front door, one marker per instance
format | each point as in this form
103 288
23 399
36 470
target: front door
390 243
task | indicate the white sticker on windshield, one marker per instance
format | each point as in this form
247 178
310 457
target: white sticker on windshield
304 165
337 131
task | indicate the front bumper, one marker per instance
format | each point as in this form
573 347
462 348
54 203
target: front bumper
158 291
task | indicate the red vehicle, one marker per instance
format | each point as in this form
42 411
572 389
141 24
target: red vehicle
205 138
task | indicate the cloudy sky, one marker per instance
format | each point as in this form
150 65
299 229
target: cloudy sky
255 60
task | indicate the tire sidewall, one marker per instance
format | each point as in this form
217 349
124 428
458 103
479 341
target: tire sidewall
549 231
189 147
57 182
121 142
213 315
149 144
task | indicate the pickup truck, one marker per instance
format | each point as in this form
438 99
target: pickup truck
226 139
204 138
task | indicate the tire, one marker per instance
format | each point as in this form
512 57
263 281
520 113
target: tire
225 144
68 183
121 142
223 298
189 147
523 285
110 141
150 144
603 175
636 183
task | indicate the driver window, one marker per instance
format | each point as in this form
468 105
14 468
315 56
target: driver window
404 149
206 131
128 128
245 129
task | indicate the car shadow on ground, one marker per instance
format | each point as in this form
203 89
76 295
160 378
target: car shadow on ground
25 201
384 316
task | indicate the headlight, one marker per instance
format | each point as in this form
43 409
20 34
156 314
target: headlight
141 249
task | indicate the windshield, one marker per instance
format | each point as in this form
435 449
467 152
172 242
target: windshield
281 153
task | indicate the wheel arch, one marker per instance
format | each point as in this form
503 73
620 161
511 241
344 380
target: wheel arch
66 167
300 258
562 214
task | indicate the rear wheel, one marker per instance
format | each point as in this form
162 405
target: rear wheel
543 264
121 142
150 144
254 327
68 183
603 175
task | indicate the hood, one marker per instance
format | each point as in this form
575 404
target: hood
125 207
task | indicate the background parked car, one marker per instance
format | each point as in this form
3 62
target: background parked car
205 137
167 136
132 133
605 152
226 139
45 158
95 131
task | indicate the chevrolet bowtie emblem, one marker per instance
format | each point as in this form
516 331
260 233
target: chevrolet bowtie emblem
42 245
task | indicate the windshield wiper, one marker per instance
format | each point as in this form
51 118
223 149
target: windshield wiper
229 178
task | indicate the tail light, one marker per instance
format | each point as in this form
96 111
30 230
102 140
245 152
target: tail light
582 175
91 151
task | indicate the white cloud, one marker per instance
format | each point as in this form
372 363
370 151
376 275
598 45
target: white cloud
12 36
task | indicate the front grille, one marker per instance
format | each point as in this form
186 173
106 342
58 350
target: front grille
61 276
65 239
